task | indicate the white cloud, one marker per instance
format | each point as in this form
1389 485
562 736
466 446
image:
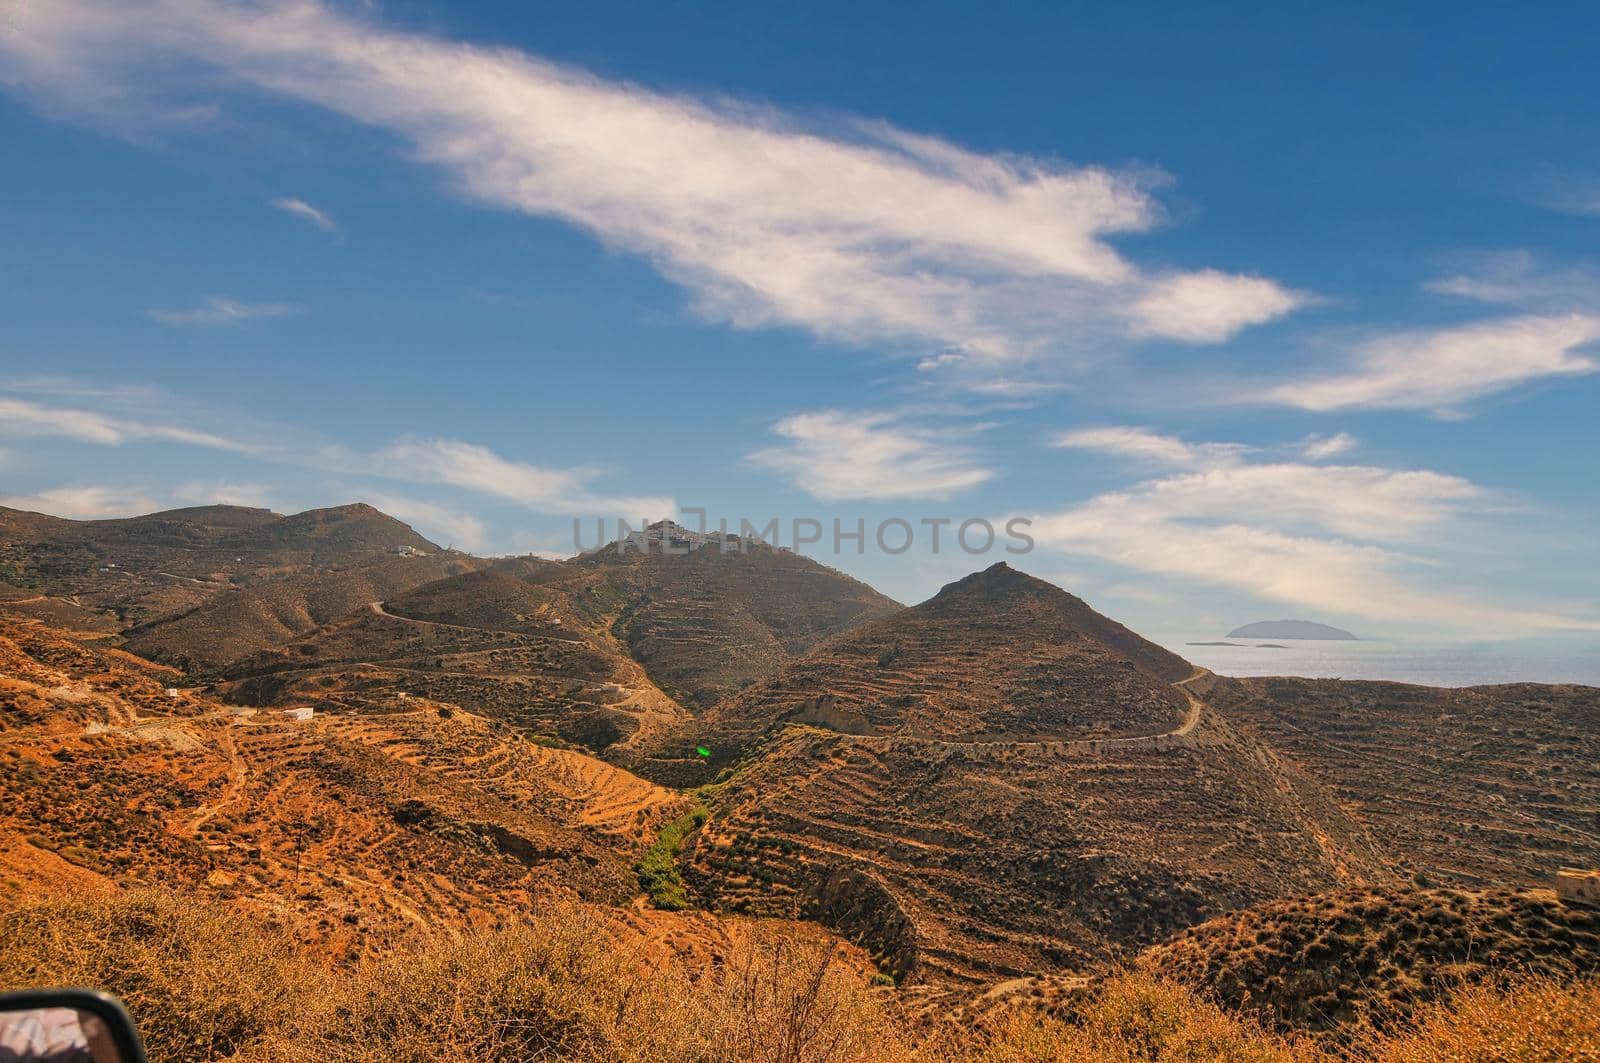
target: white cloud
1520 279
301 209
1142 444
441 523
216 310
1339 539
84 502
835 456
1321 448
1209 306
861 232
478 468
23 418
1441 369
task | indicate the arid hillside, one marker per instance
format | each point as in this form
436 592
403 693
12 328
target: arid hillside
996 796
1000 781
1369 957
1480 786
708 622
138 569
351 830
998 656
589 650
492 642
264 613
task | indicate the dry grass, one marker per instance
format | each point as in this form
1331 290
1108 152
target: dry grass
1538 1020
205 984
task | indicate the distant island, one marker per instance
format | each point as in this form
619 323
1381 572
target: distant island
1290 629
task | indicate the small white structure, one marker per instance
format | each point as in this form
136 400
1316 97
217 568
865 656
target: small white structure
1575 886
173 692
298 713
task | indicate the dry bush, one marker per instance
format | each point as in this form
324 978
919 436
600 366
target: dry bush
1536 1021
201 982
562 988
205 983
556 988
787 1002
1130 1017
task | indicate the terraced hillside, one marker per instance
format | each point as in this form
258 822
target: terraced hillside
351 830
490 641
707 622
569 649
265 613
998 656
139 569
1366 957
1478 786
1061 803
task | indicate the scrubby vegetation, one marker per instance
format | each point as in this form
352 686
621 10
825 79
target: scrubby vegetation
205 984
1368 957
659 876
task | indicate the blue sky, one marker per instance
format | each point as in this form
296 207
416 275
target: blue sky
1260 314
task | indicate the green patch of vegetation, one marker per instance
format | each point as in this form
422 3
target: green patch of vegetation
657 869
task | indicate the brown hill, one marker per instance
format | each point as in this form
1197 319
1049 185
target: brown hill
141 568
351 829
488 641
578 649
997 656
240 621
1366 957
1000 781
1476 786
708 622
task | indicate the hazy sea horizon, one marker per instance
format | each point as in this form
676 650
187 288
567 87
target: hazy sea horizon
1428 664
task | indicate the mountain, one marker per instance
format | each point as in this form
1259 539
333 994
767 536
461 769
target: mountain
996 656
1290 629
607 650
999 781
264 613
998 794
708 622
138 569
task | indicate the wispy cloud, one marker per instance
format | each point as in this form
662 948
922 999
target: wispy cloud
478 468
1439 370
441 523
224 493
84 502
299 208
857 231
21 417
1340 539
1322 448
216 310
1145 445
836 456
1523 280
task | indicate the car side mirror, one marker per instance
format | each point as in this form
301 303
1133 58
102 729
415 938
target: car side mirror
66 1026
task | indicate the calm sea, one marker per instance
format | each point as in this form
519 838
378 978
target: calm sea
1438 665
